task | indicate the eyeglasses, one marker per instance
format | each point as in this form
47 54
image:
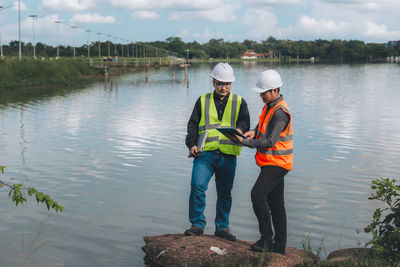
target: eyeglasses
267 91
221 84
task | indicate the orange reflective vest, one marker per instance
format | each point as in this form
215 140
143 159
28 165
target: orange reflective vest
282 153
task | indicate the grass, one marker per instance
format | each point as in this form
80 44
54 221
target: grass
363 258
37 73
64 72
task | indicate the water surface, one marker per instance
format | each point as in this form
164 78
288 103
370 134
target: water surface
113 154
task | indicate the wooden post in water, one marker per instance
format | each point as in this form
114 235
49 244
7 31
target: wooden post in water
147 74
186 75
186 72
173 76
106 72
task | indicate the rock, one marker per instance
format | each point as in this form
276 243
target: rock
353 254
209 250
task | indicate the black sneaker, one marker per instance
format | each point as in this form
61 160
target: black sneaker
261 245
225 234
278 250
194 230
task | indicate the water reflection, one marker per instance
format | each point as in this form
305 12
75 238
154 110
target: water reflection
113 153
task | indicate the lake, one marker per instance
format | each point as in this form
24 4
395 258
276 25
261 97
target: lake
114 155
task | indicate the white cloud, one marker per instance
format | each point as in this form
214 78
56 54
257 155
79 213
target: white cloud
92 18
22 6
340 19
272 2
69 5
145 14
224 13
183 33
175 17
373 29
45 30
261 23
206 34
166 4
365 5
320 27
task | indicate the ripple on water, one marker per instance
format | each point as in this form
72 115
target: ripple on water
114 155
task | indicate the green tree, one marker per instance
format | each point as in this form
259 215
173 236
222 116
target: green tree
321 48
175 44
355 50
336 50
379 51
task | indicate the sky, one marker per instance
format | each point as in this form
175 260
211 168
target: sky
126 21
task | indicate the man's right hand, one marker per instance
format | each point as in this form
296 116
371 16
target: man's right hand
194 152
250 134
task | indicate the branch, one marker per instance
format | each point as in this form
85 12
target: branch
3 183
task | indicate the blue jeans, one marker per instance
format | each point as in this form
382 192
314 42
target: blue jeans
204 166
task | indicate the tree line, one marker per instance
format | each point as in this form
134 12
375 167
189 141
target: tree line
334 50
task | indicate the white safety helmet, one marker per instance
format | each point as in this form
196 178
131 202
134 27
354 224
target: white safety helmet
268 80
223 72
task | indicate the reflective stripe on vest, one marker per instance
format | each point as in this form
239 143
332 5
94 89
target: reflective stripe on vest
282 153
209 122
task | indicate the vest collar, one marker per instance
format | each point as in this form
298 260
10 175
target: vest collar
273 103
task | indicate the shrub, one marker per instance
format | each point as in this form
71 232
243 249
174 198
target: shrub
385 226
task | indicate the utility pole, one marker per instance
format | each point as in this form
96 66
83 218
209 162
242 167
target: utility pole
57 22
88 46
115 46
73 37
19 29
187 55
109 36
1 48
1 45
127 48
99 33
33 34
122 47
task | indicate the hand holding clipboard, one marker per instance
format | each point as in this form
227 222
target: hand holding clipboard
231 133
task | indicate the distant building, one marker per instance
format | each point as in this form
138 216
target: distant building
392 44
251 54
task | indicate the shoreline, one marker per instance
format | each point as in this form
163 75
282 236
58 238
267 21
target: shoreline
70 72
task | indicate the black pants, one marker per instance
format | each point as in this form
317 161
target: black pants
267 196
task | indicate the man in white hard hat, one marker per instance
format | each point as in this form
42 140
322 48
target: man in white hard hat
272 138
221 108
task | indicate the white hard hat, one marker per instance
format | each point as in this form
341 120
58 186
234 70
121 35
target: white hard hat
223 72
268 80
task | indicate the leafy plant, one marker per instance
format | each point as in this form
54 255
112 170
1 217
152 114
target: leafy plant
312 255
385 226
18 197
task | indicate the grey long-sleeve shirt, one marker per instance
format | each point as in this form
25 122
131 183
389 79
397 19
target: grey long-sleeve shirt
278 123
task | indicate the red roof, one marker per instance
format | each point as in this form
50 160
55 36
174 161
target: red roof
252 53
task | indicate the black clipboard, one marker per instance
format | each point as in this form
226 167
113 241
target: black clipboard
201 140
230 131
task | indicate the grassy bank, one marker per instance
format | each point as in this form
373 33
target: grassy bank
47 73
